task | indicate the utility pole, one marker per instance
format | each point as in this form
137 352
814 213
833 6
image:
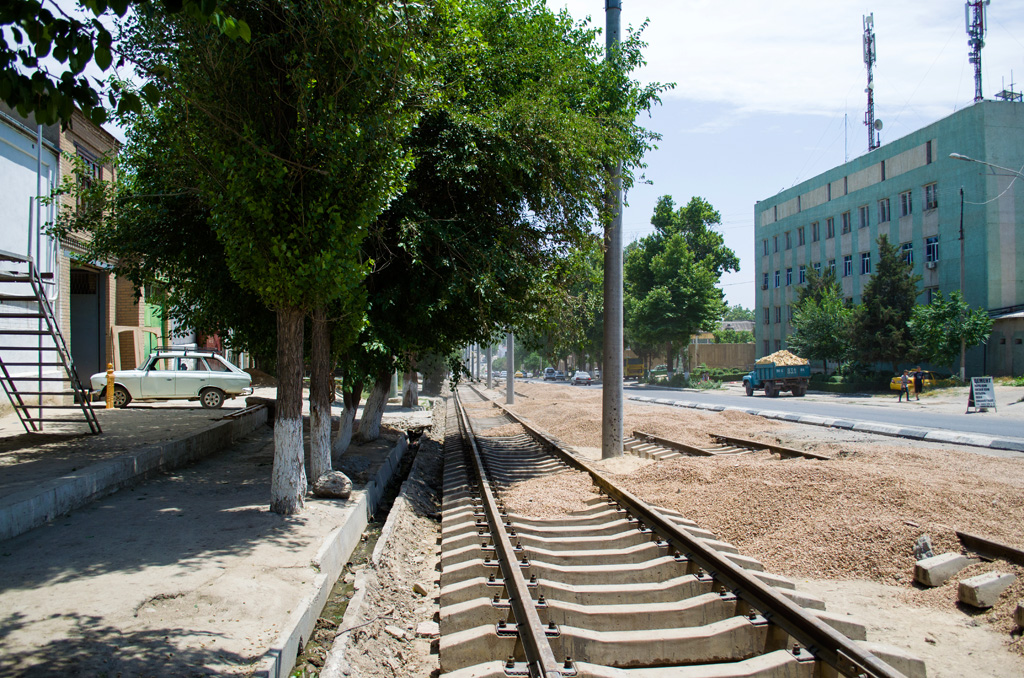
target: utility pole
611 371
510 364
489 383
963 340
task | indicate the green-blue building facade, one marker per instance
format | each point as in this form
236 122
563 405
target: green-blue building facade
909 190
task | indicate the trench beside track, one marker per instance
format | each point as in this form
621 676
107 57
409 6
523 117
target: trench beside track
619 589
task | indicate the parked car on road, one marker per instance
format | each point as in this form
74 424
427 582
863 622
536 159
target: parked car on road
581 378
549 374
519 374
559 375
176 373
931 380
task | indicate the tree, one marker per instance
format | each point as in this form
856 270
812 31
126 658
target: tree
818 285
76 38
880 330
733 336
670 276
821 328
939 328
738 312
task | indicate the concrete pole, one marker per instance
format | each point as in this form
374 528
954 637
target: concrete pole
393 393
489 383
963 340
479 367
611 372
510 364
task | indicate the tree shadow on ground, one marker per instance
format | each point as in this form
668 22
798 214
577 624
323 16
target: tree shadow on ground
93 649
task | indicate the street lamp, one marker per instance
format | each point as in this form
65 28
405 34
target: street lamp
961 156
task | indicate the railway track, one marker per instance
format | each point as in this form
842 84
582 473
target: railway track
619 589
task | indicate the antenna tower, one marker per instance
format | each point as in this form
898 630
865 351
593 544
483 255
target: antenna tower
1010 94
975 18
869 61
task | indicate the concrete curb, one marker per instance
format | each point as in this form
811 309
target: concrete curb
330 560
957 437
28 509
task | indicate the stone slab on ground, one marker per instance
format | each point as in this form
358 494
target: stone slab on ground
186 574
983 590
937 570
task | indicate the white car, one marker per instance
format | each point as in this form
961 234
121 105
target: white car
176 373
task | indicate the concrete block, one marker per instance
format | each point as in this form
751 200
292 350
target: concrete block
849 626
937 570
903 661
983 591
1018 614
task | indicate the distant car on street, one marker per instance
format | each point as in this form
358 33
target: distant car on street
519 374
176 373
559 375
930 380
549 374
581 378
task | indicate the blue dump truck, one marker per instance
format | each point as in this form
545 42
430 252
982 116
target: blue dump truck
775 379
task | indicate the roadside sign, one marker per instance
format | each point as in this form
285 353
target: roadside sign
983 394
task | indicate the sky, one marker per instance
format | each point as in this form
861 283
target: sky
769 94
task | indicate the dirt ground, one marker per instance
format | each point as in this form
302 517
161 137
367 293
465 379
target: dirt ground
849 524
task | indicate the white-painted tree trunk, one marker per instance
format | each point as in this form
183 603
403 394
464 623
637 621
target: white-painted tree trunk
344 439
369 424
410 389
321 385
288 480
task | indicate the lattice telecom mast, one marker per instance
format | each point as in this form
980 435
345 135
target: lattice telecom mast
869 60
975 17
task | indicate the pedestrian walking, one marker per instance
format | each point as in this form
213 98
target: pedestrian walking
905 386
918 383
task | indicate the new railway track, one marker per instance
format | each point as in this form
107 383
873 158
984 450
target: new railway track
621 589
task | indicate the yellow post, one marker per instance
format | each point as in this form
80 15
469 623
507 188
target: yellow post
110 386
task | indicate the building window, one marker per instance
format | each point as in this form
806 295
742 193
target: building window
847 265
846 222
846 185
865 263
789 277
862 214
928 152
883 210
815 232
789 312
931 249
800 236
767 347
789 241
764 284
883 170
817 267
906 204
908 253
778 344
764 247
830 190
767 315
775 239
830 227
803 275
931 196
777 278
778 314
929 294
799 202
832 266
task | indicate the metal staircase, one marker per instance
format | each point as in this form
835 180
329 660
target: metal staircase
22 301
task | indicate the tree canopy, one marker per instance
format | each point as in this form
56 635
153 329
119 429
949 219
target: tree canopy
939 328
821 327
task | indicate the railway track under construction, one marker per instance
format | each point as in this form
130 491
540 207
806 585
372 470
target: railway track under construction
620 589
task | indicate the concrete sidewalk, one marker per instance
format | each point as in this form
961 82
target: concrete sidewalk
185 574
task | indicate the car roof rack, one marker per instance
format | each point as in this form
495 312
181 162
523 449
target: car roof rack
188 348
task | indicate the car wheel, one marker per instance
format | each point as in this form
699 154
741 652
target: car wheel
121 397
211 398
749 389
770 391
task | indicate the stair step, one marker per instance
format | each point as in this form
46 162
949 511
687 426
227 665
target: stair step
29 348
21 315
18 297
47 393
76 406
34 378
23 332
10 364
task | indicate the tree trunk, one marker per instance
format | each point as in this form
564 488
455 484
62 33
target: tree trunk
321 384
369 424
410 386
434 369
668 359
288 484
348 417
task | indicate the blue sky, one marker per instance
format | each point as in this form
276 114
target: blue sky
762 89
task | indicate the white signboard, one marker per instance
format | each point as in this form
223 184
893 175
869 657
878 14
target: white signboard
983 393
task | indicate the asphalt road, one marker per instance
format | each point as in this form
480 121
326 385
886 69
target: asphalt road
880 410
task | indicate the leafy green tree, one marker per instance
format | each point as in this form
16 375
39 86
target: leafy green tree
821 328
75 37
738 312
939 328
670 276
818 285
880 331
733 336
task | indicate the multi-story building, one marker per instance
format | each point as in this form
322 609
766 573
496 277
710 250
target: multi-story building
910 191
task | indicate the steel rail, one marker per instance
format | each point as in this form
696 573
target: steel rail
818 638
778 449
539 656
